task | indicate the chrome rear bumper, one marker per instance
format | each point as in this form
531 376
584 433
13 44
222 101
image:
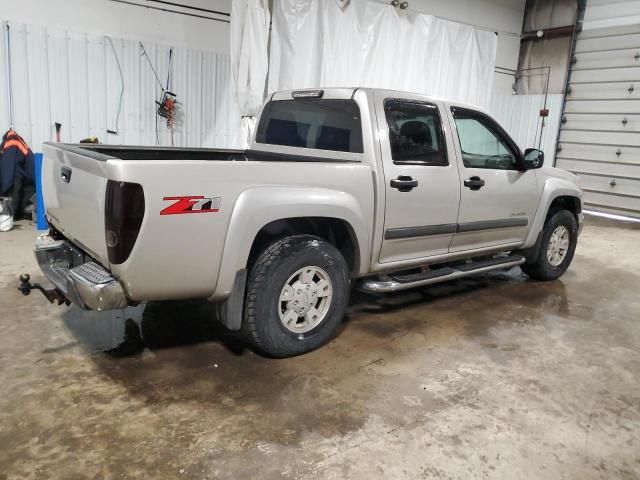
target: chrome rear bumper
80 279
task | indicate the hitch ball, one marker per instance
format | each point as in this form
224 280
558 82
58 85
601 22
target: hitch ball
25 277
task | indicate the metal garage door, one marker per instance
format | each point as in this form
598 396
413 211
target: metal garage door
600 129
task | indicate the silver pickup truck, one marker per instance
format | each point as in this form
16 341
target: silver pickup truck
382 190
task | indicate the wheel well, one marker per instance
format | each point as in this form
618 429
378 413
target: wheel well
337 232
565 203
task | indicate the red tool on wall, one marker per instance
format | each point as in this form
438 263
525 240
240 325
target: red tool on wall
168 102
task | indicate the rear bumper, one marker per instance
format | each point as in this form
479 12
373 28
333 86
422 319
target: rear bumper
81 280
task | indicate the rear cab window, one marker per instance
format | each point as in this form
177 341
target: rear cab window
323 124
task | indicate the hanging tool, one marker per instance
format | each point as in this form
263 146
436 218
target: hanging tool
167 103
58 128
116 130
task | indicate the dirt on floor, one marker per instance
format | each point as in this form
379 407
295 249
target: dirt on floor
490 377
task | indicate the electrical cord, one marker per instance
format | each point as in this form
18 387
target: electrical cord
117 129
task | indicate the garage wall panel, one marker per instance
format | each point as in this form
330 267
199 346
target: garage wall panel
520 117
610 90
38 88
74 78
600 130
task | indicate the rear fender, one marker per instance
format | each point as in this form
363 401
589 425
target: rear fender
258 207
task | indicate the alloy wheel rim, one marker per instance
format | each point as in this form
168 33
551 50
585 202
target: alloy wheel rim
305 299
558 246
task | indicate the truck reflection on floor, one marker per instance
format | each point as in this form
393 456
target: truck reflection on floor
171 324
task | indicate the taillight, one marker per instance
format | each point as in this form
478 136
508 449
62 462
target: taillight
124 210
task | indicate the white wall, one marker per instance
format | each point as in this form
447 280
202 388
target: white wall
503 15
65 71
128 22
73 78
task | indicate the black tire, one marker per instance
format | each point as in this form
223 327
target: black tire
541 268
262 325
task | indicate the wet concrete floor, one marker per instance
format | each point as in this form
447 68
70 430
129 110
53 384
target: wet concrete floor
491 377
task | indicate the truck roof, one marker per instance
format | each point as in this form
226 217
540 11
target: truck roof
348 92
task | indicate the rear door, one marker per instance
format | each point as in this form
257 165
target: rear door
498 201
74 182
421 182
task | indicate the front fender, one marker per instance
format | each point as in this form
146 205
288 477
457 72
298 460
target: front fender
260 206
552 189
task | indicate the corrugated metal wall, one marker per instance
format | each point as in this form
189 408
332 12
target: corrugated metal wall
73 78
520 116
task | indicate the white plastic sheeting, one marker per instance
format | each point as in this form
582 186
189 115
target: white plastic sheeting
317 43
520 116
249 61
72 78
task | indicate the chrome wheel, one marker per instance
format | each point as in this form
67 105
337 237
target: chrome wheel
305 299
558 246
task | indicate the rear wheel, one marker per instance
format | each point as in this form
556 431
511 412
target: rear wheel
558 244
297 293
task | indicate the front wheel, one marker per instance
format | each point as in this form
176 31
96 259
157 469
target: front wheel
558 244
297 293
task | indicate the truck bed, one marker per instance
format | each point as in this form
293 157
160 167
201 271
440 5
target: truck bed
77 178
126 152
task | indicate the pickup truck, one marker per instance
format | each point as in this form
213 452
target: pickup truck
377 189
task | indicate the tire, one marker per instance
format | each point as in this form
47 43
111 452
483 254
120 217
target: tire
542 267
269 304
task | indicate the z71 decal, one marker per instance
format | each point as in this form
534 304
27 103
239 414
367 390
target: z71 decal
191 204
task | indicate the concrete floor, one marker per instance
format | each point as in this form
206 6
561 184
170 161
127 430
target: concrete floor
496 377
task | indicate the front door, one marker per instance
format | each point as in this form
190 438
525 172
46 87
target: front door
498 201
422 183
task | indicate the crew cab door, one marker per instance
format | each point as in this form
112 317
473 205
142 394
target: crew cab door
498 200
422 186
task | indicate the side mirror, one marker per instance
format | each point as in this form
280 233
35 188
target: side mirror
533 158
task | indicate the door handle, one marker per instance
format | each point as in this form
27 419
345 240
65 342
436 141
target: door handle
65 174
404 183
474 183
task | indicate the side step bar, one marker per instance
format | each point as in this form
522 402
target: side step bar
395 283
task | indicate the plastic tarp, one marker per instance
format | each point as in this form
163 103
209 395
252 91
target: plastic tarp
325 43
249 61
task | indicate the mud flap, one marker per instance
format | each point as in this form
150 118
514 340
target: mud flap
230 311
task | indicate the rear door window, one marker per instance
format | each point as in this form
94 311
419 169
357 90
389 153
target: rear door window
312 123
415 133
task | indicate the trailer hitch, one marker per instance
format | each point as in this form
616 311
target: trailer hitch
53 295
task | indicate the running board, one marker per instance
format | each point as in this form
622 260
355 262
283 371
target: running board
395 283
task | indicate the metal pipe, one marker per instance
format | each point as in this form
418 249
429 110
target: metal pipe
9 74
126 2
548 33
190 7
582 5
